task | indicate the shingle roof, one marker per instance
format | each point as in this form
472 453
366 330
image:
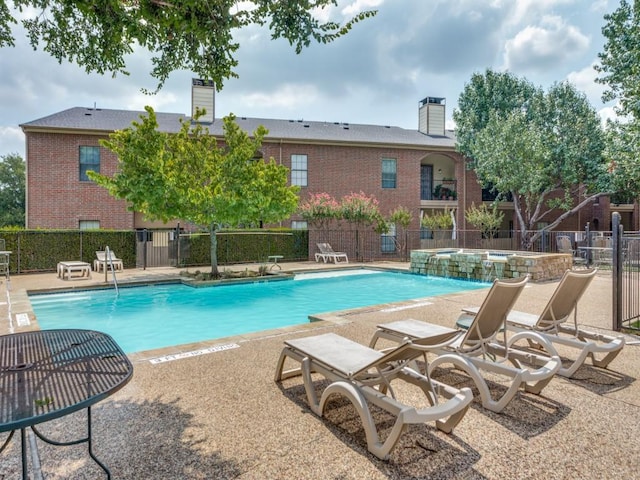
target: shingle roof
105 120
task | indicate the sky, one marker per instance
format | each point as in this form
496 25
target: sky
377 74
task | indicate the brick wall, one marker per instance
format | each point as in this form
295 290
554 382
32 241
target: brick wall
340 170
56 198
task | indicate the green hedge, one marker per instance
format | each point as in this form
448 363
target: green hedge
41 250
244 246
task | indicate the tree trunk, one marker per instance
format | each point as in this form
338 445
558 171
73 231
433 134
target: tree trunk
214 251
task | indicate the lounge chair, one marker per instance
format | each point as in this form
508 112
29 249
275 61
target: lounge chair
564 246
477 348
364 376
327 254
101 261
552 323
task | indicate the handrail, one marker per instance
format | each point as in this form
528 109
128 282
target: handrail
109 261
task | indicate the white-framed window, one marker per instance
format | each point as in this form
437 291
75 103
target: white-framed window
89 160
89 224
388 240
299 169
299 225
389 173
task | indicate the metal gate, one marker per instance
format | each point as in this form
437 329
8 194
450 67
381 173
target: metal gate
156 248
626 277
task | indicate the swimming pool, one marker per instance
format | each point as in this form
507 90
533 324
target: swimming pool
156 316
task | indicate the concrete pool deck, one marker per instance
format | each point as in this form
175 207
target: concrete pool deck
221 415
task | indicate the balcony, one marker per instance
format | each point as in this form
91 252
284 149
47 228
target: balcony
443 195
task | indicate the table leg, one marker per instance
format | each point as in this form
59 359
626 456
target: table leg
23 445
87 440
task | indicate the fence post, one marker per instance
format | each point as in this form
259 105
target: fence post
176 243
144 248
616 270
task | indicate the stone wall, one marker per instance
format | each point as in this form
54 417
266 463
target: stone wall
486 266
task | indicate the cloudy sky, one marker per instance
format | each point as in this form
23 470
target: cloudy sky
377 74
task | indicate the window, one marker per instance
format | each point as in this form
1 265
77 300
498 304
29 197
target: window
388 240
89 160
299 170
89 224
389 173
299 225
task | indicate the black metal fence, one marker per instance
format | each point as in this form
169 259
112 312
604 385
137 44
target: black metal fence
626 276
367 245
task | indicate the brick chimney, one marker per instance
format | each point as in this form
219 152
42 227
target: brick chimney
431 114
203 97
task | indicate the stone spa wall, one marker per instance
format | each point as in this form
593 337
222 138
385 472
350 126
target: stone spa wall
486 266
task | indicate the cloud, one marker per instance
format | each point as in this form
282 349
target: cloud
12 141
376 74
287 96
549 45
359 6
585 80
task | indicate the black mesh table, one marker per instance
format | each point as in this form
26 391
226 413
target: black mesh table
48 374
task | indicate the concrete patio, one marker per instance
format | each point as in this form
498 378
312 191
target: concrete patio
222 416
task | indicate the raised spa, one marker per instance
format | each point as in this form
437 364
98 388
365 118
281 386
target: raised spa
486 265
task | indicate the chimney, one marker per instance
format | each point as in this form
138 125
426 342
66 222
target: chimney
202 96
431 116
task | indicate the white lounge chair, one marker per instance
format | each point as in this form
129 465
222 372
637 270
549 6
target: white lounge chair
101 261
365 375
327 254
477 349
552 323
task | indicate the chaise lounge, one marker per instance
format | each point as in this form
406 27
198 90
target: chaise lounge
477 349
327 254
364 376
552 324
101 262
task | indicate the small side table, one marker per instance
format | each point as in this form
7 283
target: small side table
274 259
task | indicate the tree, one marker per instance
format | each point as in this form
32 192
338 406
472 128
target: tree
362 210
12 190
488 221
320 209
545 149
619 69
401 218
619 61
195 35
189 176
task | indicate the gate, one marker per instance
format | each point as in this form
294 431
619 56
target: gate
626 277
156 248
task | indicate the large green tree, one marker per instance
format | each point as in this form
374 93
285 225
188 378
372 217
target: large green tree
195 35
542 149
12 190
620 61
189 176
619 69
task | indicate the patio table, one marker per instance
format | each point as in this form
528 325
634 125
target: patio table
47 374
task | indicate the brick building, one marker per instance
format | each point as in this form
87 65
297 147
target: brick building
418 169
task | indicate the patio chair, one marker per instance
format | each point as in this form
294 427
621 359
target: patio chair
602 252
477 349
364 376
564 246
101 261
552 323
327 254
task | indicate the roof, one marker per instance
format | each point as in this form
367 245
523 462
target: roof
106 120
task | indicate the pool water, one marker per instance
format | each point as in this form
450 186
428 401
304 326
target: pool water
156 316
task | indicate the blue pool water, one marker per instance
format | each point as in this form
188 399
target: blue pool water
155 316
